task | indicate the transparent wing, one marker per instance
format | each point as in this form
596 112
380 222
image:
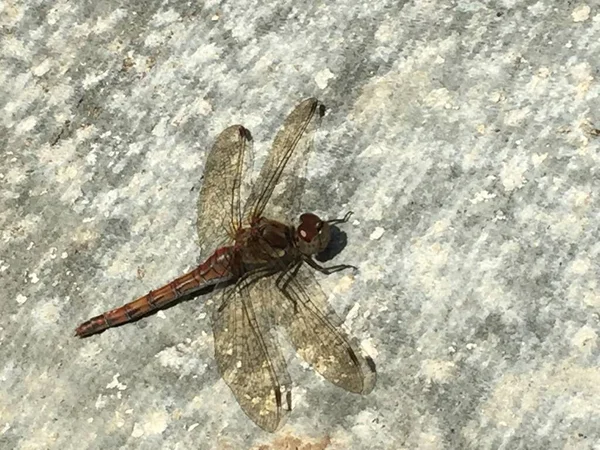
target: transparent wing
290 148
219 210
249 359
316 331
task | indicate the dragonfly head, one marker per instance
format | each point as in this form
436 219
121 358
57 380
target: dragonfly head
313 234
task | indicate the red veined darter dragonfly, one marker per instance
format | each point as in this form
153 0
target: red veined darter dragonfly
266 267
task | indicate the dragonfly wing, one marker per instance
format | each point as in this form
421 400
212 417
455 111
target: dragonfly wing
290 148
219 201
317 333
249 359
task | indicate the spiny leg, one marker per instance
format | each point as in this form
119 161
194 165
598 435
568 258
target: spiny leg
291 273
329 270
257 274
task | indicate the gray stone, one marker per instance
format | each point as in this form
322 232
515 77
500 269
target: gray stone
463 135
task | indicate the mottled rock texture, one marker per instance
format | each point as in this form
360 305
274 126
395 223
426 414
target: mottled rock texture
463 135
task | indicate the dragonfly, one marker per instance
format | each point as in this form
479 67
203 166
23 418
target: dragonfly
265 269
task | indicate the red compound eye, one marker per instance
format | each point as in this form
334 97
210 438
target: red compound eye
310 226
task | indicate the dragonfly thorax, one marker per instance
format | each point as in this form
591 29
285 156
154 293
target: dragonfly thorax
312 234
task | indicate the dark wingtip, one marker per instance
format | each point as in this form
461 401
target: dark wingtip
315 105
322 109
371 364
245 133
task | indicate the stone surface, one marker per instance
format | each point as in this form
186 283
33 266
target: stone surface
461 133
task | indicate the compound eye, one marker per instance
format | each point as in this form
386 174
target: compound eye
310 227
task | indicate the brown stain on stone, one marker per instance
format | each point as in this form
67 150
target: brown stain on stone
289 442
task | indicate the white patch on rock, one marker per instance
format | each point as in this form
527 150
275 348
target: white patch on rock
155 422
100 402
322 78
26 125
482 196
512 173
369 348
138 431
581 13
160 129
115 383
437 371
90 350
42 68
376 234
92 79
537 158
108 23
165 17
343 285
579 266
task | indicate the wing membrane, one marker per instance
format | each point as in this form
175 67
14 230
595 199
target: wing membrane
219 209
249 360
317 333
290 147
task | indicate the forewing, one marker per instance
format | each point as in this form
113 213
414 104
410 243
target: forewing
286 164
219 210
248 358
317 333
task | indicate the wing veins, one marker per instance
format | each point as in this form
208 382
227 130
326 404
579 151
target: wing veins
236 208
219 203
276 174
250 370
338 347
284 145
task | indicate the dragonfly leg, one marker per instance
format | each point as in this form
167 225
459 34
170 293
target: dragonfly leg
344 219
291 272
329 270
254 276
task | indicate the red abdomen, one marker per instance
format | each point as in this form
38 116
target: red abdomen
218 267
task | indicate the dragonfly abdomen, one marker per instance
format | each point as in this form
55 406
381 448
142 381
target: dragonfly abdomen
215 269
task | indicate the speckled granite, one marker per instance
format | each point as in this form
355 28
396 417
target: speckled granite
461 133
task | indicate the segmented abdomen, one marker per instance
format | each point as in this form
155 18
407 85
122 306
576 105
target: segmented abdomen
218 267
